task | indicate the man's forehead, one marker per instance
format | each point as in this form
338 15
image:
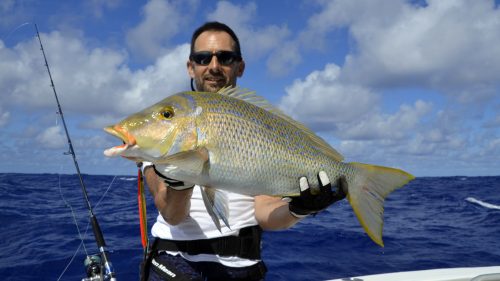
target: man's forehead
214 40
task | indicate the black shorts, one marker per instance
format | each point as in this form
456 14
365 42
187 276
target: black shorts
167 267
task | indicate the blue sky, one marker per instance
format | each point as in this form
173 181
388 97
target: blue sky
408 84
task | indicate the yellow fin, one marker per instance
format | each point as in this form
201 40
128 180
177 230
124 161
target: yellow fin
367 193
253 98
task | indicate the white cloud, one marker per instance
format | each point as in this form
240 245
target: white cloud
233 15
4 117
92 81
97 7
167 76
397 126
14 12
162 20
350 111
80 75
324 102
255 42
493 123
353 114
52 138
492 148
280 62
444 45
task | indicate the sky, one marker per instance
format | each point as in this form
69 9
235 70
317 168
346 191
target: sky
407 84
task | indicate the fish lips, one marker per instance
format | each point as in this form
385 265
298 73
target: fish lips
129 147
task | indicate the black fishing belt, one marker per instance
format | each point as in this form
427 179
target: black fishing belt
246 245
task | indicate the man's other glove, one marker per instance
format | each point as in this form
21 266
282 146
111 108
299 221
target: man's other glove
313 202
173 183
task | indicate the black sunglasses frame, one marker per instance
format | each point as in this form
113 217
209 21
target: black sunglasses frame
223 57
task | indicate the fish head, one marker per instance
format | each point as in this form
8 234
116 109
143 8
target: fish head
161 130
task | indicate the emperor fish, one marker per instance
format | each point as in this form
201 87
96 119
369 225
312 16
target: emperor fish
235 140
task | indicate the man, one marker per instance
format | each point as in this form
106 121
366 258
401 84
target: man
188 245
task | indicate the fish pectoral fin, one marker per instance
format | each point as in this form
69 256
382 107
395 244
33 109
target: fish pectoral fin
216 205
192 162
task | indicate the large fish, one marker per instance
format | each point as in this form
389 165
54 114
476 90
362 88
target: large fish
234 140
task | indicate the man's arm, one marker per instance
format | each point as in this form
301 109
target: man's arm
173 204
272 213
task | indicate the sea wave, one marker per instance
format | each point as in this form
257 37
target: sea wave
482 203
427 224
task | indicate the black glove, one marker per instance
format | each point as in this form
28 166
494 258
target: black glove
173 183
313 202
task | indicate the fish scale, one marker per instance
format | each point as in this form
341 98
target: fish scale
234 140
233 137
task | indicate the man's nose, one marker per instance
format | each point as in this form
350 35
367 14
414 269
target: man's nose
214 63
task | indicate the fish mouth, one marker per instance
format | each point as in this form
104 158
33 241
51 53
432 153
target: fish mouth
129 141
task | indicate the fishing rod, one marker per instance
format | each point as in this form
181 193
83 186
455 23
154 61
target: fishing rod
93 264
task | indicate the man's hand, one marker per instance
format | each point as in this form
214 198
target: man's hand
173 183
173 206
313 202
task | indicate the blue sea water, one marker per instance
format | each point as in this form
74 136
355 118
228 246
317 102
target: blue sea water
430 223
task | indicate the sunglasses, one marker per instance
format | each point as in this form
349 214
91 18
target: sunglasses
223 57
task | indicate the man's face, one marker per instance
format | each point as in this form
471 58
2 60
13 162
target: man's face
214 76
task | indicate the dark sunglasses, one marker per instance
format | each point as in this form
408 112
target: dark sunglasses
223 57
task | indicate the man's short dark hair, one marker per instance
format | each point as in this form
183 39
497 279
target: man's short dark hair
216 26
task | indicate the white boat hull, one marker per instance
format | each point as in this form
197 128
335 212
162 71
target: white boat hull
491 273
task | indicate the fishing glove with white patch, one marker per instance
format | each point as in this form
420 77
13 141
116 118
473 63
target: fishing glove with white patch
172 183
310 202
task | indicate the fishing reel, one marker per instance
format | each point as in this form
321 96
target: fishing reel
94 269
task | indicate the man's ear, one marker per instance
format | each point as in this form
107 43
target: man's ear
241 68
190 68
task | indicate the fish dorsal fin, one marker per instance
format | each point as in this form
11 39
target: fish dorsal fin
250 97
253 98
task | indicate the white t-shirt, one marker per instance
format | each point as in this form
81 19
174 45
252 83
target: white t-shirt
199 225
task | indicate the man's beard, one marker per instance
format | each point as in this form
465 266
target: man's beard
211 83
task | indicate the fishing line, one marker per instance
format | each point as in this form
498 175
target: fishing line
15 29
73 215
105 192
78 229
82 237
70 261
95 207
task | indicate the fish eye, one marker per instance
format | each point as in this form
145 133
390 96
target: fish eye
168 113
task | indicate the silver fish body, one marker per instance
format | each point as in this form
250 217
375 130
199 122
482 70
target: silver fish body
254 151
236 141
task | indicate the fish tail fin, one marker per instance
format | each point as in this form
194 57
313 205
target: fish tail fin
367 193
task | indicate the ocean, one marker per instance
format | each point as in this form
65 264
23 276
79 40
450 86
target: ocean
433 222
